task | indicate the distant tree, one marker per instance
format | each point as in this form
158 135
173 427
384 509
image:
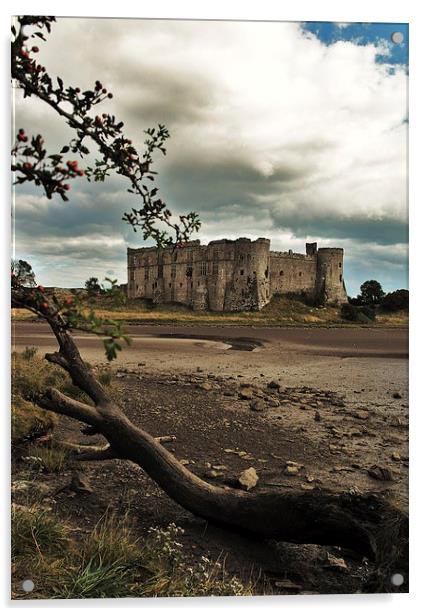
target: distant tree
371 292
396 300
92 285
22 274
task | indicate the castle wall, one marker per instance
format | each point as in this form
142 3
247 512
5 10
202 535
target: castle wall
232 276
293 273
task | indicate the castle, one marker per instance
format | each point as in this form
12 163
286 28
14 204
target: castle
233 275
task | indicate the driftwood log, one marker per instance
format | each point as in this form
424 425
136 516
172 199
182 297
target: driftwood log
365 523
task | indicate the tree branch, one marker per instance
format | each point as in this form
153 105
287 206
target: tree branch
54 400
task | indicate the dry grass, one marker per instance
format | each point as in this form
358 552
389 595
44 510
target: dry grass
109 562
281 311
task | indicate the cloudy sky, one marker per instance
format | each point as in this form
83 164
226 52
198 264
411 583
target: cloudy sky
292 131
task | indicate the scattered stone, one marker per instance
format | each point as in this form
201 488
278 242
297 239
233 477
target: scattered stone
228 392
396 456
396 395
307 486
79 484
257 405
184 462
292 468
248 478
219 467
273 385
246 393
229 450
169 438
361 414
381 473
206 386
317 416
214 474
332 562
273 402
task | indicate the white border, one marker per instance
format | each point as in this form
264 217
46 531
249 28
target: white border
307 10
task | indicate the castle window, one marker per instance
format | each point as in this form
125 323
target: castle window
340 277
180 284
147 273
340 265
241 257
189 272
203 269
266 273
242 272
170 285
160 271
282 273
173 274
215 267
300 273
175 257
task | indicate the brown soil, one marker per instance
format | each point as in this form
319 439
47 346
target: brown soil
338 437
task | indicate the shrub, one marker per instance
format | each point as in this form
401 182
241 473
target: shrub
397 300
358 314
29 352
29 422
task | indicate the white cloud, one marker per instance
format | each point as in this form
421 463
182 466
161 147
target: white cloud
266 121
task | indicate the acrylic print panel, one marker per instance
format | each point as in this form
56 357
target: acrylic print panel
210 308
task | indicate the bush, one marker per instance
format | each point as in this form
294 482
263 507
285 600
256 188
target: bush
358 314
29 422
397 300
29 352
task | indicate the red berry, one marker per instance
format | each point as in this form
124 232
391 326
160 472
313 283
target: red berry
21 131
80 172
34 49
27 166
66 187
45 305
68 301
40 288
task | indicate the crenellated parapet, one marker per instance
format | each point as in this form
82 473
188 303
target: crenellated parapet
233 275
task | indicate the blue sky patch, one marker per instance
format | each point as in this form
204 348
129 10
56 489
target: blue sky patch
364 34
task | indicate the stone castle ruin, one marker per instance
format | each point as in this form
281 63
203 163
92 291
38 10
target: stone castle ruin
234 275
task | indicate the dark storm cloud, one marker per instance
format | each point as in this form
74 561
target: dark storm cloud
382 231
272 134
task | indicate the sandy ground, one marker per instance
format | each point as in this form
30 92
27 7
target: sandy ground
340 413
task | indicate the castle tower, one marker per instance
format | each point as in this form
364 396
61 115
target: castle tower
330 286
249 287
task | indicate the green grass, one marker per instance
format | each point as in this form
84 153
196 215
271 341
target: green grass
47 459
109 562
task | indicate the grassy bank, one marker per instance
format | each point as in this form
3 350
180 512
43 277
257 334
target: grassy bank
281 311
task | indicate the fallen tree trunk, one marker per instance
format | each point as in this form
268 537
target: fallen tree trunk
364 523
